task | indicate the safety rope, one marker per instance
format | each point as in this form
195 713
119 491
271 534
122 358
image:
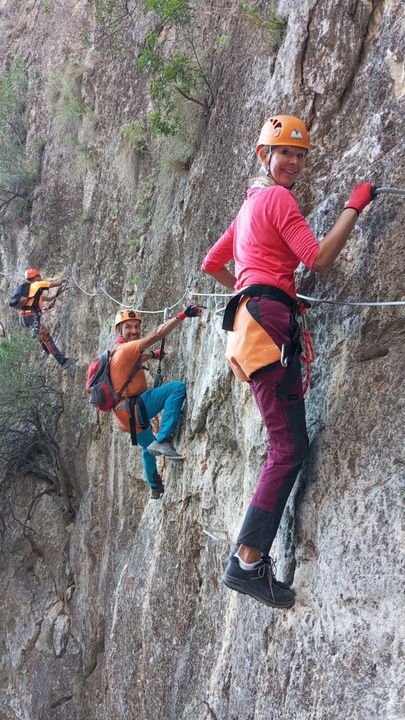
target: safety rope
312 299
58 305
193 293
377 191
349 302
308 355
53 304
91 295
390 190
148 312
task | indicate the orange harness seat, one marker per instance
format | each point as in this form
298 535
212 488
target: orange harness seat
249 346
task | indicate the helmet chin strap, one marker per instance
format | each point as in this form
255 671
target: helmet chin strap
268 165
266 170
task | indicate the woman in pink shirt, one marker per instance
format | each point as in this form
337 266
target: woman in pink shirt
268 239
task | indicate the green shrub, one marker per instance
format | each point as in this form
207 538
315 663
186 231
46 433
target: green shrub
17 170
179 75
29 412
266 17
134 137
17 375
112 17
177 12
64 94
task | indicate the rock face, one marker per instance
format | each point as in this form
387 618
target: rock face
119 614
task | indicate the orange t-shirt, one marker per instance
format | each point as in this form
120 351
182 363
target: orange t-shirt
123 360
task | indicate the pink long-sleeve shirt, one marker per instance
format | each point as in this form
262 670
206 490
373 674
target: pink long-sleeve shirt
268 239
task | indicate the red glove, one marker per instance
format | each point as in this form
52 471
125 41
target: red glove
157 354
361 196
190 311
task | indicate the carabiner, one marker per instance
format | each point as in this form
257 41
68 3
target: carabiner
284 358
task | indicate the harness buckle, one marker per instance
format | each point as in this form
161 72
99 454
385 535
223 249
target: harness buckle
284 356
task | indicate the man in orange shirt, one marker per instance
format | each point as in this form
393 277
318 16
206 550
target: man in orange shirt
31 312
134 411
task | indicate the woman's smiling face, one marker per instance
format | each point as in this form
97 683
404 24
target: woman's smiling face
286 163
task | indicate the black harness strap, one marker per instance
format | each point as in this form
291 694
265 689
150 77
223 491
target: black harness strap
290 352
130 376
267 291
136 402
130 401
159 377
292 371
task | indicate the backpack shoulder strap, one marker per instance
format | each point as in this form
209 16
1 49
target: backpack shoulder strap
130 376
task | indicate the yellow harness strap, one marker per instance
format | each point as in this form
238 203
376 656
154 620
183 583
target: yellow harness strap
249 346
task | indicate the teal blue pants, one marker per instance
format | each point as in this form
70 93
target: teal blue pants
170 399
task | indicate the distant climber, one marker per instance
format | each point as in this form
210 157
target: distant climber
268 239
133 413
31 312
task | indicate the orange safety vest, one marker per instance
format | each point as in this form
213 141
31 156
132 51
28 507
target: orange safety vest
35 299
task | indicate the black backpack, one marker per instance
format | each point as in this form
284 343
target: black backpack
22 291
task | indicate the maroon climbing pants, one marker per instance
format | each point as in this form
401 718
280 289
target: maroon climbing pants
287 436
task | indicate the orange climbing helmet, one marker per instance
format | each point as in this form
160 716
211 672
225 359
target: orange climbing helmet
126 314
283 130
31 273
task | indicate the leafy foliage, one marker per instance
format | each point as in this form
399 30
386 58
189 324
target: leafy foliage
107 11
69 104
17 174
177 12
29 412
181 74
266 17
112 18
69 109
178 75
134 136
15 381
